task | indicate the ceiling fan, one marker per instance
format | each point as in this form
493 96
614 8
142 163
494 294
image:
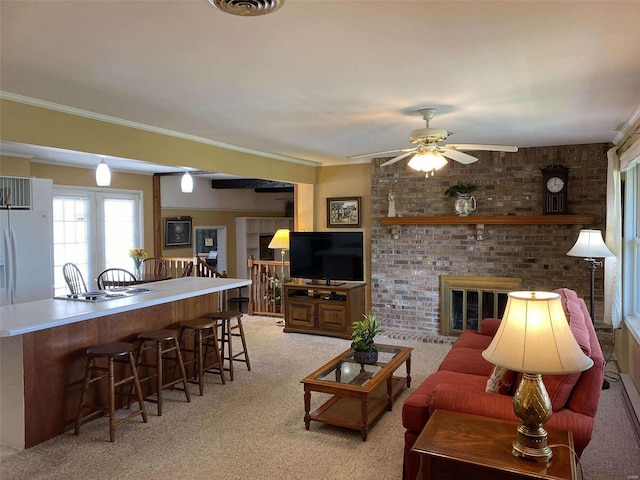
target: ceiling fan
428 156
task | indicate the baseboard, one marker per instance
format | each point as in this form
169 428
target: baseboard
632 400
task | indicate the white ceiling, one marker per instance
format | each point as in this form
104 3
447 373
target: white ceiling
320 80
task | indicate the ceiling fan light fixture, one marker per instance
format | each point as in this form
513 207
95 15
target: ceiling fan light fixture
247 8
103 174
427 161
186 184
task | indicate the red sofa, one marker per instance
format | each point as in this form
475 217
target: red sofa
459 384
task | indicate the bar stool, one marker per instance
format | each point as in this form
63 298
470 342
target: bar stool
205 336
156 339
112 352
224 320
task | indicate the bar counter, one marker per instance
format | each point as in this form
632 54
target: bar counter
43 344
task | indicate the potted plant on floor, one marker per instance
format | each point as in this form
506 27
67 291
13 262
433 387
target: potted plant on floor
363 335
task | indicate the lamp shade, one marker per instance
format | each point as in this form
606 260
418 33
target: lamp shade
427 161
534 337
103 174
590 245
186 184
280 240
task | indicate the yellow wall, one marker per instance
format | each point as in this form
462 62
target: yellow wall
210 218
347 181
28 124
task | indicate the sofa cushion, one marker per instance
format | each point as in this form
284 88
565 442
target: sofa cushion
469 339
466 360
500 381
415 411
578 326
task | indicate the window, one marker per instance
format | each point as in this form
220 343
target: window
631 242
94 229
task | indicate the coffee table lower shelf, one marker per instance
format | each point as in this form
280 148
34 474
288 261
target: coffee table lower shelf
358 412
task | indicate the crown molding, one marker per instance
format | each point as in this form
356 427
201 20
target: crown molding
149 128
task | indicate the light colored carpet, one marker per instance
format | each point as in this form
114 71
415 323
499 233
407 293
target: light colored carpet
253 427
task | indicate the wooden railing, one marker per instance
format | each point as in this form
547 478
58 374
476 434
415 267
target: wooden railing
176 266
265 292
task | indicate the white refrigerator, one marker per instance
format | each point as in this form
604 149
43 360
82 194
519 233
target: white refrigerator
26 271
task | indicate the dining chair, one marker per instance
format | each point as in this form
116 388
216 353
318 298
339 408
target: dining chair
73 277
115 277
154 266
188 269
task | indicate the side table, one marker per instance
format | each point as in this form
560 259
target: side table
457 445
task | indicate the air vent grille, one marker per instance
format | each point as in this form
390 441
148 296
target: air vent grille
247 8
15 192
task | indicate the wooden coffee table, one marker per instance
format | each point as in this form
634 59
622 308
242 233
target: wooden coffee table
457 445
360 393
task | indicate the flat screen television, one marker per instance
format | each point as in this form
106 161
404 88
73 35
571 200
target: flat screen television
327 256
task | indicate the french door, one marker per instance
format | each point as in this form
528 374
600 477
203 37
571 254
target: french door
95 229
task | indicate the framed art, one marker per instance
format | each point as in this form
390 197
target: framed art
177 232
343 212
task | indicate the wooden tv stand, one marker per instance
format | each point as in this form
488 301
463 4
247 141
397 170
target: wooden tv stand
323 309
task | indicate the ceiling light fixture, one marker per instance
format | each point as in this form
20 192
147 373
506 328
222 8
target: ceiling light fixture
186 184
103 174
247 8
427 161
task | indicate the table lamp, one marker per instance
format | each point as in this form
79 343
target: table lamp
590 246
534 338
281 241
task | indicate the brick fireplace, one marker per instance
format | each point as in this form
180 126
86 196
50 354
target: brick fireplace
408 260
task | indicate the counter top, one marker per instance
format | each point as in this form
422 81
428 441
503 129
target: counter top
33 316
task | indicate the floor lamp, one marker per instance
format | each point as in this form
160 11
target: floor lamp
591 246
281 241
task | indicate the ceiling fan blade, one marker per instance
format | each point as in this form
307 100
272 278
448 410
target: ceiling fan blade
458 156
398 158
477 146
379 153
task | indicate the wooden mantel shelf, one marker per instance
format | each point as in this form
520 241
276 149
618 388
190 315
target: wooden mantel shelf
492 220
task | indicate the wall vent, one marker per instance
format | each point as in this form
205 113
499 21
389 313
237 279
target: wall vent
15 192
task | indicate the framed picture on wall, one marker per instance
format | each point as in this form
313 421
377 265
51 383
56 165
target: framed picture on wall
177 232
343 212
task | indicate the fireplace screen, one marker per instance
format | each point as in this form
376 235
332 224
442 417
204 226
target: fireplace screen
467 300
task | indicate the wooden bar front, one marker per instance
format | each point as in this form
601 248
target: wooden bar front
54 359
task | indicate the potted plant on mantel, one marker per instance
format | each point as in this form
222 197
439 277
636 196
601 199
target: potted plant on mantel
363 335
465 202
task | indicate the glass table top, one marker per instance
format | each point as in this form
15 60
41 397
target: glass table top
346 370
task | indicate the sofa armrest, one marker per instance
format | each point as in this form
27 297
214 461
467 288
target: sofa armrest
489 326
459 399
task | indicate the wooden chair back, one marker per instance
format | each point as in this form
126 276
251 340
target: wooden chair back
73 277
115 277
188 270
154 266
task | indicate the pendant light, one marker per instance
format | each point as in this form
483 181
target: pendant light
186 184
103 174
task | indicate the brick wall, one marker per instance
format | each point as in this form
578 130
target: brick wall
405 271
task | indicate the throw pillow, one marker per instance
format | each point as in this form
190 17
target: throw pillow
500 380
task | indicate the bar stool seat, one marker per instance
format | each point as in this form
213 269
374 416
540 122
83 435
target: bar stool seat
163 341
205 344
225 320
121 352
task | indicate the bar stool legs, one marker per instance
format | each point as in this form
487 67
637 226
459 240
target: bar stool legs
156 339
205 337
224 320
112 352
